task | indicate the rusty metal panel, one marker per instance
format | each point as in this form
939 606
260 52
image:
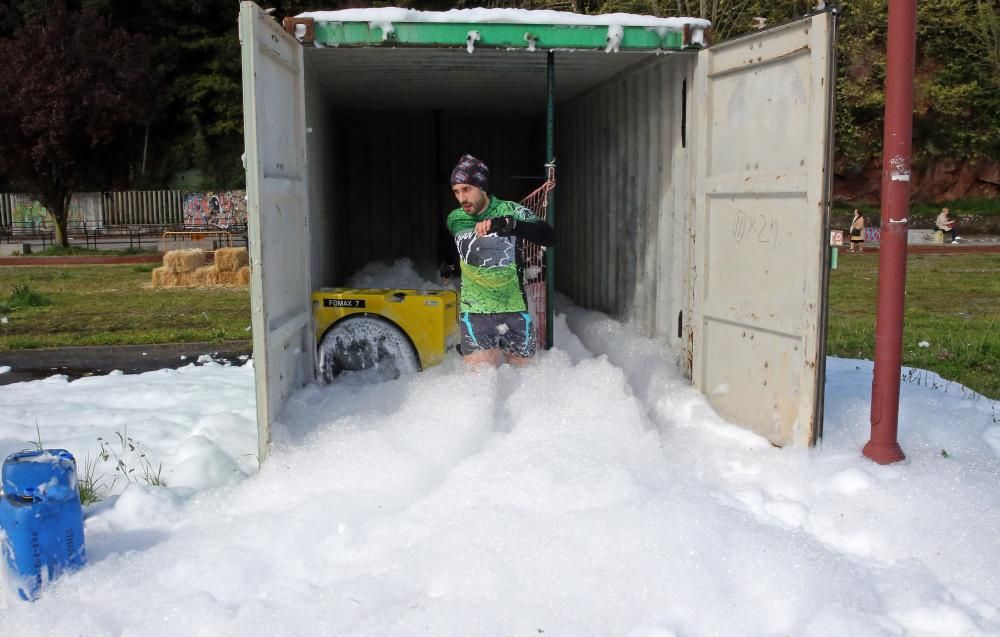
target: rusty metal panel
624 196
759 225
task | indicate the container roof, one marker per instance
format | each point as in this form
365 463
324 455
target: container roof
482 60
498 28
489 81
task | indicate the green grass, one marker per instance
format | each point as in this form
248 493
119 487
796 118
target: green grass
952 303
90 485
22 296
115 305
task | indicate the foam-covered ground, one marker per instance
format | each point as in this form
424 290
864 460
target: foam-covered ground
593 493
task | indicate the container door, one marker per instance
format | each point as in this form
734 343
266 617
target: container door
760 227
277 219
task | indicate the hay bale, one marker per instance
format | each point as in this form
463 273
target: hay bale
231 259
184 279
206 275
227 278
164 278
159 277
184 260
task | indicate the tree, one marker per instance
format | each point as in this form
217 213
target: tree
987 31
72 87
197 122
956 104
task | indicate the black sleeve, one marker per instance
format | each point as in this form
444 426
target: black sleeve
446 253
538 232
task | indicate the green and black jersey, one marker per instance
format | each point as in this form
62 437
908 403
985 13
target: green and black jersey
491 265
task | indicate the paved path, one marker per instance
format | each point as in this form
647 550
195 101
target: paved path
32 364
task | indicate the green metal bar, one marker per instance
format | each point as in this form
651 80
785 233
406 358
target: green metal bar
550 208
506 36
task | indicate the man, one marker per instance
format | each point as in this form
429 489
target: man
946 224
490 234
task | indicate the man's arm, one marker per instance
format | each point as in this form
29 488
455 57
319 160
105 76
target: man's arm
536 231
446 252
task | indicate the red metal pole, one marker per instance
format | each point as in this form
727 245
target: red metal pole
896 146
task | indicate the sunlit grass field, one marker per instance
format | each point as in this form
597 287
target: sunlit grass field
57 306
952 305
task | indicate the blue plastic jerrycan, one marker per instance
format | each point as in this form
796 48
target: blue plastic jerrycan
41 518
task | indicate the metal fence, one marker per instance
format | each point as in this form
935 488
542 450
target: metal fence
143 207
128 218
22 212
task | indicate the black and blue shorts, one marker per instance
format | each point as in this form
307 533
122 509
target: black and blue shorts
511 332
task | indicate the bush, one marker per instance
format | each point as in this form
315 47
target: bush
22 295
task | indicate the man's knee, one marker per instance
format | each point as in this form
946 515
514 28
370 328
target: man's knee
483 357
518 361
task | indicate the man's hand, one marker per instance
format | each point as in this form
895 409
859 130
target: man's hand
502 226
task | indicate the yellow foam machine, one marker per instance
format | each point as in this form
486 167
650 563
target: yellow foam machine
383 332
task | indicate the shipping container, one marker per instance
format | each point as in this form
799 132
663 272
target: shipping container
693 181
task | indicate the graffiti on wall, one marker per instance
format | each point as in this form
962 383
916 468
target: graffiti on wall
215 209
28 212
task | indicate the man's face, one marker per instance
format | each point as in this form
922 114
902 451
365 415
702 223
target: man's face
472 199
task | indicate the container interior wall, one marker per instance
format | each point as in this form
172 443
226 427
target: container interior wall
379 174
624 194
385 192
323 165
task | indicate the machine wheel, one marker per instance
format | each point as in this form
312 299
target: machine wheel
367 344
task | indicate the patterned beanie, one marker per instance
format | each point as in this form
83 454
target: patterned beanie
471 171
